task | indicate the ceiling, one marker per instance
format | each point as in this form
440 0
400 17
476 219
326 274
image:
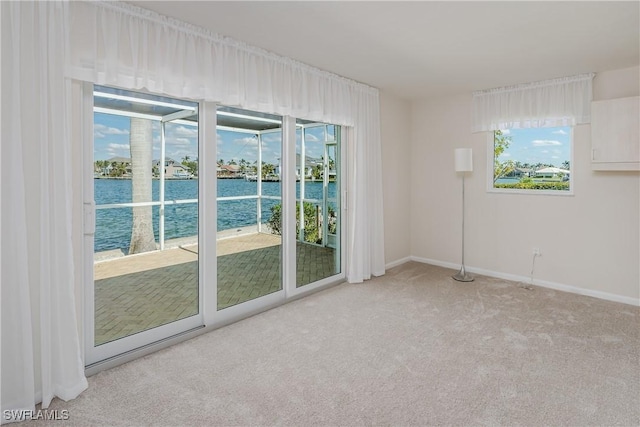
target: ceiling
423 49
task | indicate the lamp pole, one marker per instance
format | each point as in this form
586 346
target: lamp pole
463 164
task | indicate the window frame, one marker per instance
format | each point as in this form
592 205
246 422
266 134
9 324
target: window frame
490 165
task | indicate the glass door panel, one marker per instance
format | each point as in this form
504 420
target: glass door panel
145 189
249 240
317 203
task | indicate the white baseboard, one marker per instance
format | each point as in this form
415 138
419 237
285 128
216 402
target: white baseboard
397 262
542 283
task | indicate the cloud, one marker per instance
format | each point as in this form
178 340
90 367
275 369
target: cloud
272 137
184 131
544 142
505 131
114 146
314 151
505 155
179 142
309 137
114 149
100 131
248 141
559 132
179 154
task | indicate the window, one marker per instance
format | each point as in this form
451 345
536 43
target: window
532 160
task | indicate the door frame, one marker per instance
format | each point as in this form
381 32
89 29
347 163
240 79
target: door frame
208 317
98 354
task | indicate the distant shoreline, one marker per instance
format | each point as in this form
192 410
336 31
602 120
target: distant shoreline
128 178
155 177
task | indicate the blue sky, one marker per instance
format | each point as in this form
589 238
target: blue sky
539 145
111 139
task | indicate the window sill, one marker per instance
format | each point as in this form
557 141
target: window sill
530 192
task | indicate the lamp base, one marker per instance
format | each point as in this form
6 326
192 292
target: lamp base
462 276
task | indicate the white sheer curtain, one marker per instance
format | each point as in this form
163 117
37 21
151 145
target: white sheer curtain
46 43
365 248
40 343
564 101
122 45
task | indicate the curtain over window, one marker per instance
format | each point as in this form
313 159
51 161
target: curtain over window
40 345
564 101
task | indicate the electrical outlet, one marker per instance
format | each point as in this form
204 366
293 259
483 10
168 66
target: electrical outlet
536 252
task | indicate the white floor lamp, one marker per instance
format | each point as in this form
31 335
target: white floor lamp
464 164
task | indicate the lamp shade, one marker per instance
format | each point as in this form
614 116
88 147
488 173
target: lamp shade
464 160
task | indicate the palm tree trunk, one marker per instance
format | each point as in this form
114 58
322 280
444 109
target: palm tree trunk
140 140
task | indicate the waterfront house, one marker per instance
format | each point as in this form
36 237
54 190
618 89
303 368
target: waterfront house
522 172
176 170
228 171
173 169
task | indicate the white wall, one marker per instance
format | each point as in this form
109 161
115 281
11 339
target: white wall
395 134
590 242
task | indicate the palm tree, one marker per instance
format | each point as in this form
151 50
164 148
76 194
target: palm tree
142 238
267 169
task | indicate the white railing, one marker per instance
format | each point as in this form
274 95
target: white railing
161 214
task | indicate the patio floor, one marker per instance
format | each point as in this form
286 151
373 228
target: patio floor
139 292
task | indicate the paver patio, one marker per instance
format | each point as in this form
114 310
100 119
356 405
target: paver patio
139 292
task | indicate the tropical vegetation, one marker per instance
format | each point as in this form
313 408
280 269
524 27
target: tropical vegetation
312 221
191 165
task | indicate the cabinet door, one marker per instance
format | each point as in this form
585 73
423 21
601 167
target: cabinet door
615 136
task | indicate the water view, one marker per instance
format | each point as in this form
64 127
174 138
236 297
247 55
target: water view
113 226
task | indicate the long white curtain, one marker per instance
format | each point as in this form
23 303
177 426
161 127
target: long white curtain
44 44
564 101
365 250
40 342
122 45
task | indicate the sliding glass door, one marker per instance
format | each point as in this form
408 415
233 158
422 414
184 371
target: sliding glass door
318 209
145 246
249 203
193 228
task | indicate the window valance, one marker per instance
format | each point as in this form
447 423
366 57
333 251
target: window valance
117 44
563 101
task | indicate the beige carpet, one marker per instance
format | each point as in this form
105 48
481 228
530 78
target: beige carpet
413 347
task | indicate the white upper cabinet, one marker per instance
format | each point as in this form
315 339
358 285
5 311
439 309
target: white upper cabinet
615 134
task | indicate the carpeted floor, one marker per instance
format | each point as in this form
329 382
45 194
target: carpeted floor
413 347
